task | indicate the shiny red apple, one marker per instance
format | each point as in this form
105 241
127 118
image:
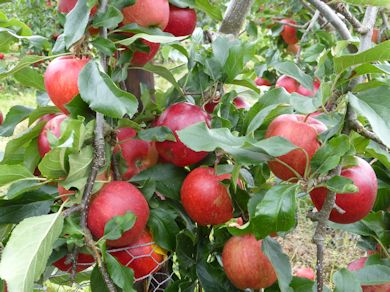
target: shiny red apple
143 256
1 118
289 33
246 265
54 127
84 261
182 21
241 103
2 56
355 205
116 199
301 131
138 154
205 198
61 79
177 117
359 264
147 13
288 83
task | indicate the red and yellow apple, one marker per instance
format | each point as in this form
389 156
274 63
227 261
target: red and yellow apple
246 265
143 256
289 33
204 197
54 127
357 205
182 21
116 199
301 131
61 79
177 117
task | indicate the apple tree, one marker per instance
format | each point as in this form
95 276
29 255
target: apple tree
172 141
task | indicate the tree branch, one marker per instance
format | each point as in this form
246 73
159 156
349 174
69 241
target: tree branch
343 10
98 162
332 17
235 16
308 29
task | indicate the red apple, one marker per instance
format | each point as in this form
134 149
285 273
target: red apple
182 21
84 261
205 198
289 33
147 13
54 127
1 118
241 103
262 82
246 265
47 117
140 58
138 154
143 256
293 49
306 92
2 56
359 264
211 105
356 205
307 273
61 79
65 6
375 35
301 131
288 83
115 199
177 117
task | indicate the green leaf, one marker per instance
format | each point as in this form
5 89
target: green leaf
162 72
159 134
121 275
209 9
97 281
273 146
31 78
26 61
374 150
260 117
341 185
76 23
163 227
345 281
168 179
53 165
329 155
79 168
102 95
373 274
41 111
292 70
15 115
29 204
25 256
14 173
379 53
374 105
109 19
119 225
105 46
280 262
275 212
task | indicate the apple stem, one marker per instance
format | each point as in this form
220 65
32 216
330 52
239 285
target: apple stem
297 175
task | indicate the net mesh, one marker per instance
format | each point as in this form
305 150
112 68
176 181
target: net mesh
148 261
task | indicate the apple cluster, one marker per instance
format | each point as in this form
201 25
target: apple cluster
204 195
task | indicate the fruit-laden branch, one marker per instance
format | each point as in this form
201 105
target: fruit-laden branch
97 163
330 200
332 17
235 16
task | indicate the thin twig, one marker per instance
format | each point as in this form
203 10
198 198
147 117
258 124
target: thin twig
332 17
356 24
97 163
305 34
